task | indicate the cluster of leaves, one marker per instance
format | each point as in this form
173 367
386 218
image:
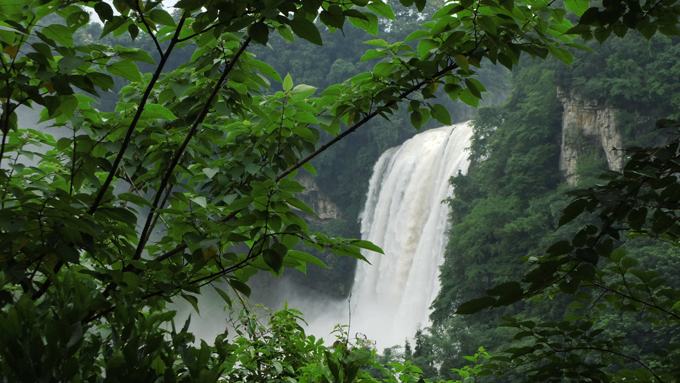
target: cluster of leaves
596 272
506 207
190 180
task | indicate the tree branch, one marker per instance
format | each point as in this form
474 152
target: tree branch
180 151
135 119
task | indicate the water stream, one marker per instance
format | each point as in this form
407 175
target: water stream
405 216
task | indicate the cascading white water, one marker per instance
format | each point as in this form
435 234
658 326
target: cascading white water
404 215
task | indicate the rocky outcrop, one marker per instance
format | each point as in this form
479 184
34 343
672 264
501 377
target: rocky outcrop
587 127
324 208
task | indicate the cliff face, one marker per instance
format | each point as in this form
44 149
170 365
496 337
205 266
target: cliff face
322 206
587 127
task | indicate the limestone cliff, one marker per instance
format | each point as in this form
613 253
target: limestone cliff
324 208
587 127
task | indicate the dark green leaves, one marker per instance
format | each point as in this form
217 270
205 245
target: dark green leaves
259 32
306 29
135 55
440 114
104 11
69 63
475 305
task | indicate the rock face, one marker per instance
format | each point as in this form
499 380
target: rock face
587 127
322 206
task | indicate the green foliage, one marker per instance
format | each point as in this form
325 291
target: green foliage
189 179
563 331
600 306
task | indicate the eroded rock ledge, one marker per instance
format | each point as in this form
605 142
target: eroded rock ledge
587 127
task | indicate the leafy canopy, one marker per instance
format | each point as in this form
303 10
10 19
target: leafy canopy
107 216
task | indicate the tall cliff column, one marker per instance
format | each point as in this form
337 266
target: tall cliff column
587 127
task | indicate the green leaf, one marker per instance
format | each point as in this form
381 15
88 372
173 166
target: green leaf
8 7
273 259
559 248
69 63
628 262
475 305
259 33
240 287
134 198
125 69
136 55
382 9
573 210
306 29
224 295
332 366
376 42
306 257
104 11
467 97
462 62
416 119
487 24
265 69
286 33
296 203
200 201
419 34
367 245
278 367
288 82
370 25
441 114
562 54
372 54
191 299
104 81
425 46
77 20
158 111
472 88
162 17
59 33
68 105
301 92
579 7
210 172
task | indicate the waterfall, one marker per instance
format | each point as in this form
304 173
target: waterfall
404 215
